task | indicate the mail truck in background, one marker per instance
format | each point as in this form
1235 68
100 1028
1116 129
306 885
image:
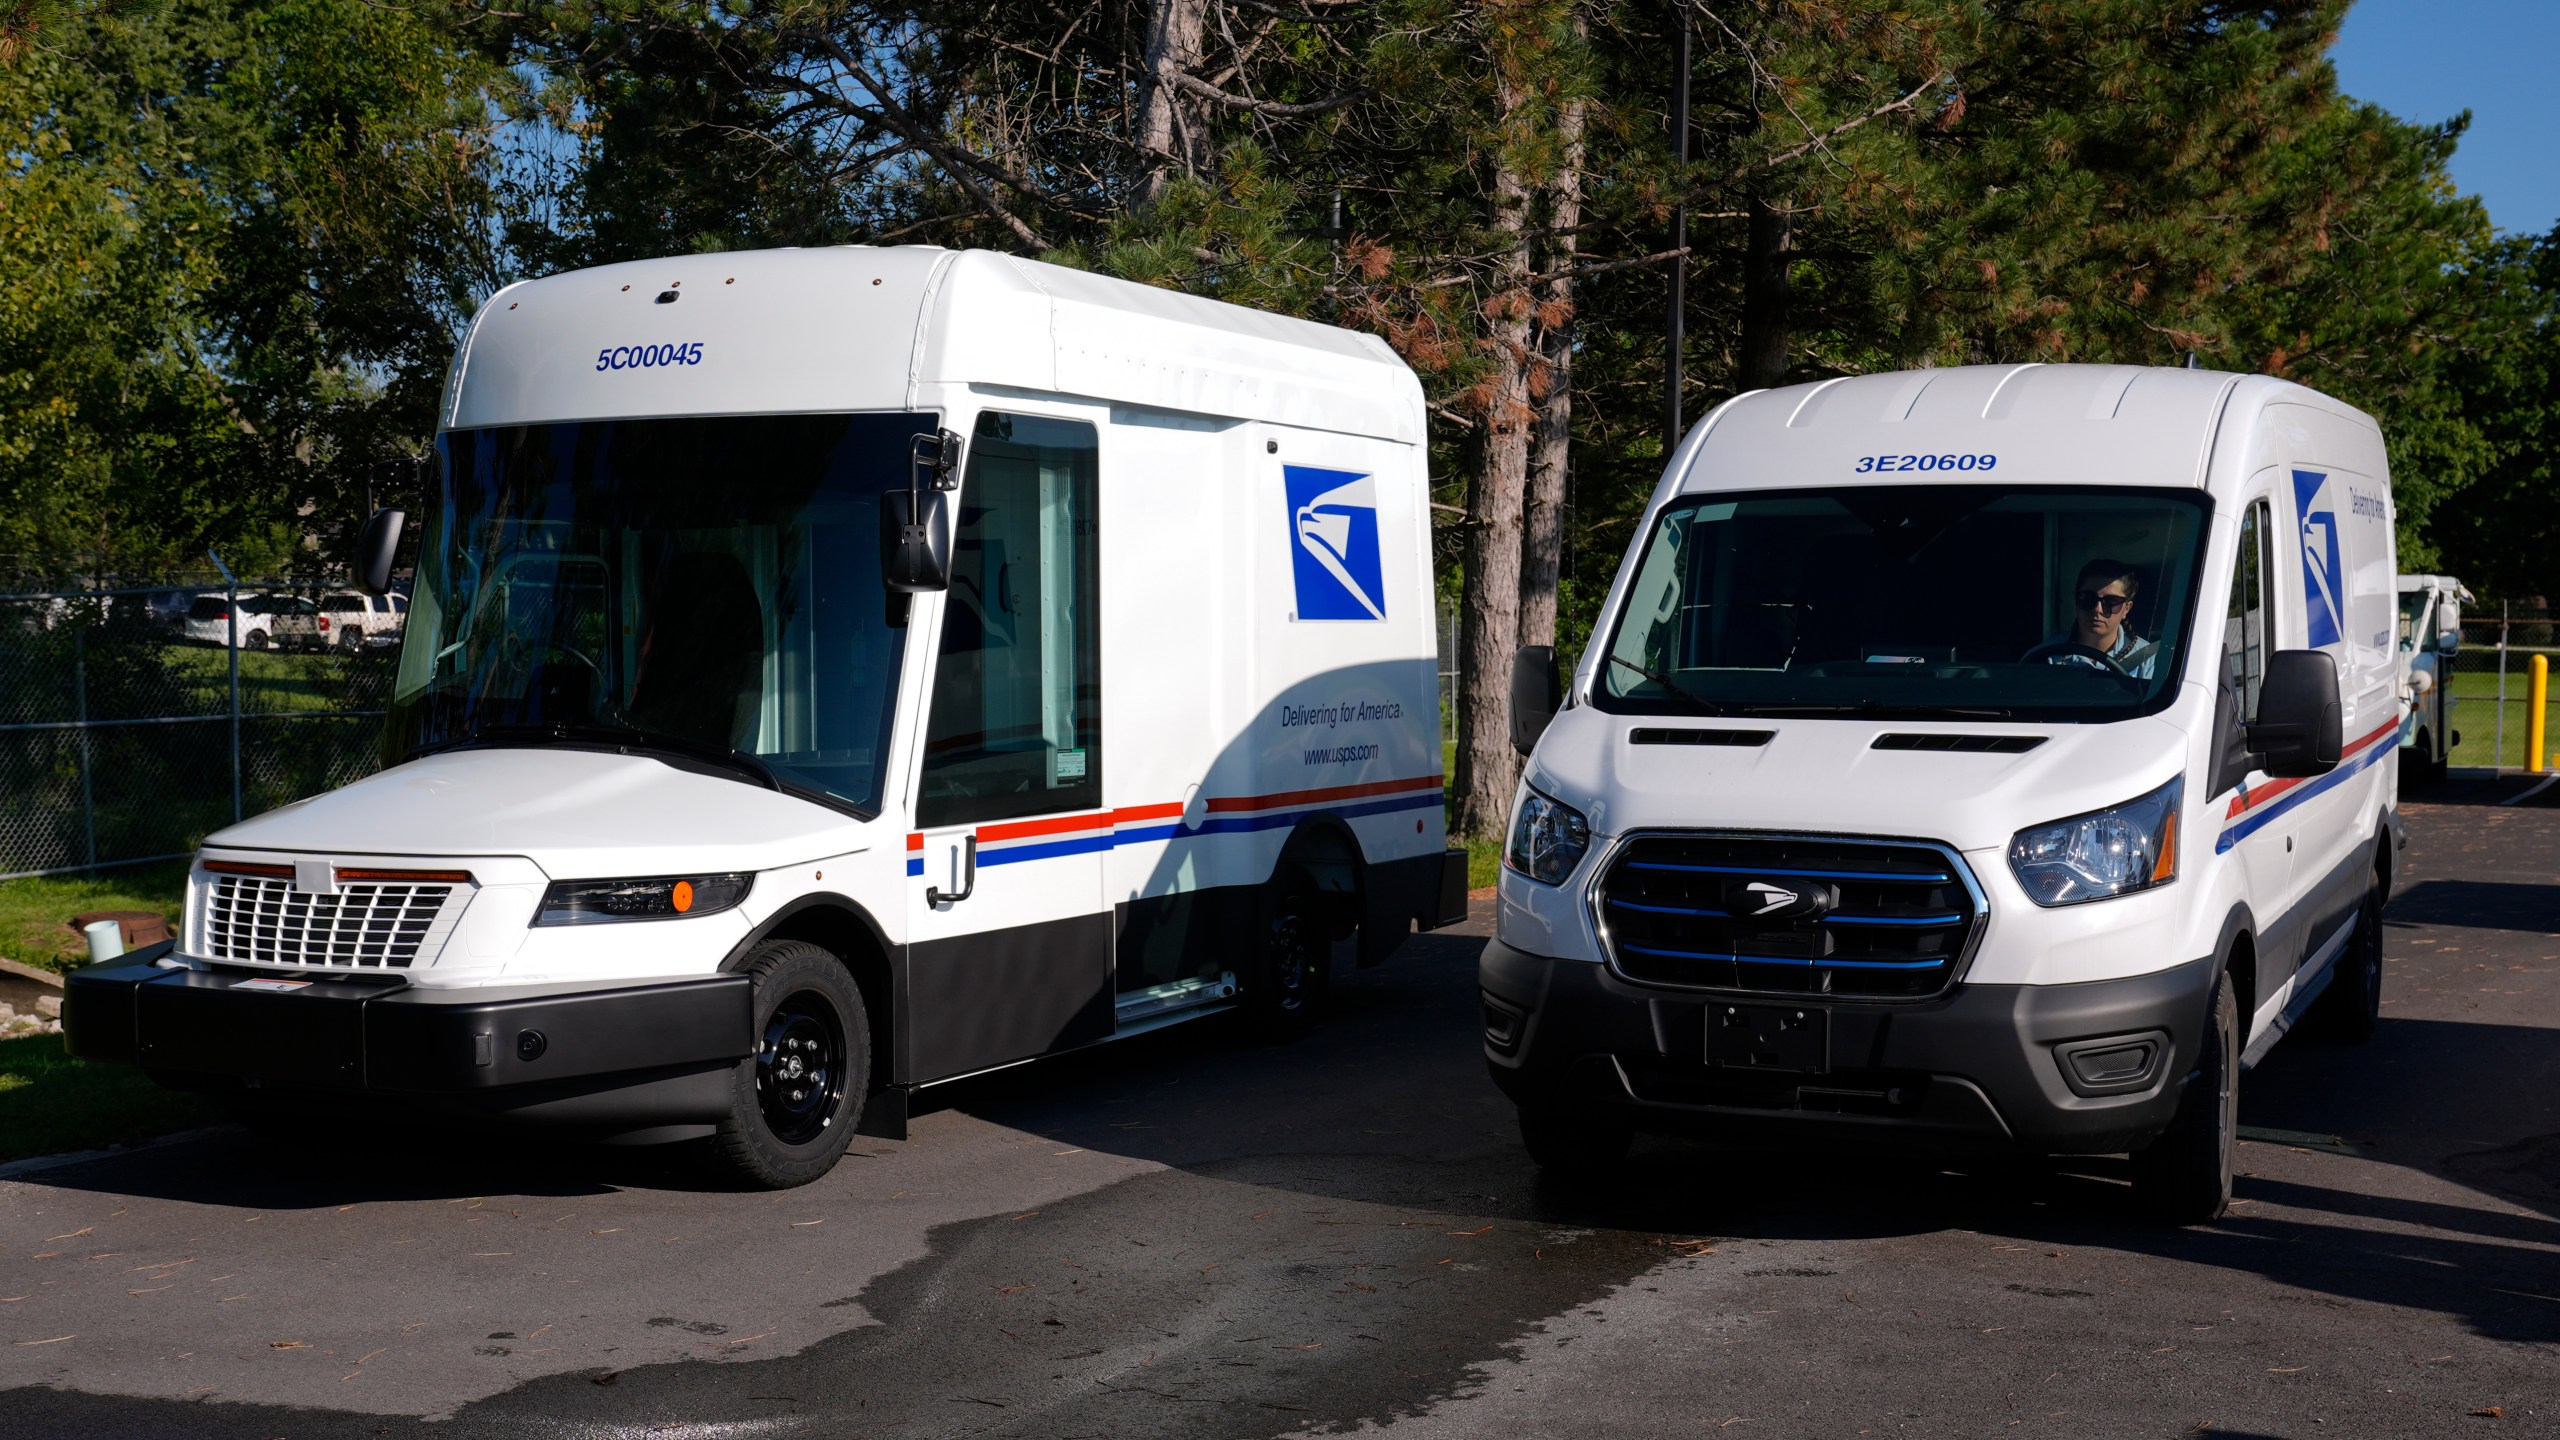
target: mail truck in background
1975 759
830 672
2429 639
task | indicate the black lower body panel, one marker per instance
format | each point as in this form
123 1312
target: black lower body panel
2092 1068
605 1059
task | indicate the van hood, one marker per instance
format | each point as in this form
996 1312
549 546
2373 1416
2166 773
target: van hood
578 814
1825 776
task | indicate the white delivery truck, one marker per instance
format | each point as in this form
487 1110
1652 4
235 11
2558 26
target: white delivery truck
832 671
2430 637
1986 757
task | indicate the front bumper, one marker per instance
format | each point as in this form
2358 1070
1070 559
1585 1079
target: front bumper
618 1059
1980 1068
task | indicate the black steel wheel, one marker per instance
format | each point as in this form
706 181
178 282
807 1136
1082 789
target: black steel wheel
2348 1011
1285 990
794 1103
2184 1177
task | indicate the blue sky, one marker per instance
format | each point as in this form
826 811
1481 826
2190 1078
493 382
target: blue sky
2427 60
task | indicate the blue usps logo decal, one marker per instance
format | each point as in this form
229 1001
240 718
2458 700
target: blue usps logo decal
2322 581
1333 530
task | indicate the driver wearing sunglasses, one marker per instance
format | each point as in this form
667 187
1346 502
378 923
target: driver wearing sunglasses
2099 638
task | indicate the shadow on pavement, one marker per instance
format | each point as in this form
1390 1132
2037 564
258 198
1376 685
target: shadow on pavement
2478 904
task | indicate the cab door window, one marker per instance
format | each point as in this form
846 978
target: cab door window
1016 724
2246 629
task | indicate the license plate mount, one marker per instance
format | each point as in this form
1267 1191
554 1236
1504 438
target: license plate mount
1794 1039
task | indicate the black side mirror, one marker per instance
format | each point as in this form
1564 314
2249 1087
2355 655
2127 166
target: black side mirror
915 541
2299 729
1534 692
915 523
376 548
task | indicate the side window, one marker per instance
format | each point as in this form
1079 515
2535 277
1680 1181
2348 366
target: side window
1016 725
2246 627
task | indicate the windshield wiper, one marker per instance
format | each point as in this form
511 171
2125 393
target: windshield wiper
1705 705
1878 710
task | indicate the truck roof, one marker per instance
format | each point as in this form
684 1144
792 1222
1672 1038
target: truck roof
2076 424
866 328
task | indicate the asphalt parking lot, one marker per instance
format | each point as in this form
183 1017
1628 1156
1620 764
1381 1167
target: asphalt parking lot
1187 1235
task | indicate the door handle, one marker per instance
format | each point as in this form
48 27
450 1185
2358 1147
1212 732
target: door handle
968 876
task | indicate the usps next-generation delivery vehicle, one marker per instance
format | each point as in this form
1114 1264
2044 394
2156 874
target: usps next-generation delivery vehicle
832 671
1978 758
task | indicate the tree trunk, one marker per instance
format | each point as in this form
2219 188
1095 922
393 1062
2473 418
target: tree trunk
1550 443
1168 137
1763 358
1489 630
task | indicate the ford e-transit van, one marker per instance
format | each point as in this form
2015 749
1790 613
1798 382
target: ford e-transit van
829 672
1976 758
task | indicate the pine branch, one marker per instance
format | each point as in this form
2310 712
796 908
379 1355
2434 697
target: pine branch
1203 88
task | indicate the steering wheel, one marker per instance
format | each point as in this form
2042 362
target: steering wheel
2094 657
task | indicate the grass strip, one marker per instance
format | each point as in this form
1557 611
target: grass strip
51 1103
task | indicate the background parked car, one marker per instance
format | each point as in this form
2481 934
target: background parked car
341 618
208 619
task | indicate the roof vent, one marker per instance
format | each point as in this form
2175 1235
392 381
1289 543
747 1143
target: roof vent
1663 736
1968 744
666 297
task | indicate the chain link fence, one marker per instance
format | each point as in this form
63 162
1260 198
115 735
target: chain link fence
138 718
2490 680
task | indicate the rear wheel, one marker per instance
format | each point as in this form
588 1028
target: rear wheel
2184 1177
351 637
1571 1146
2349 1009
1285 990
794 1103
254 640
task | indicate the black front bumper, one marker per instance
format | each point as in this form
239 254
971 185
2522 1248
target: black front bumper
614 1059
1981 1068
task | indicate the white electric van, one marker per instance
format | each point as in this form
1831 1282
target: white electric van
833 671
1991 757
2430 636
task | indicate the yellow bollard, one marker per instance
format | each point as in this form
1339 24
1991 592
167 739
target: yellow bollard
2535 690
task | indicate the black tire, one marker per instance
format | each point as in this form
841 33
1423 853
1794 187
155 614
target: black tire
352 638
1291 967
2184 1177
794 1103
2351 1006
254 640
1570 1145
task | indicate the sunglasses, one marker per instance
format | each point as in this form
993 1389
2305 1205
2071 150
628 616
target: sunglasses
2104 604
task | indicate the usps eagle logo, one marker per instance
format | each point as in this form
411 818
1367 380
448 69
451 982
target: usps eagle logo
1333 527
2323 595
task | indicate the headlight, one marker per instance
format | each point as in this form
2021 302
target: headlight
596 902
2133 846
1548 838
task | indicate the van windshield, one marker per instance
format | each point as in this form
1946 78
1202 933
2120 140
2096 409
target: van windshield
1923 600
706 587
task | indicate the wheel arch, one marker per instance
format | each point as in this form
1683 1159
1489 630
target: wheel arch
1323 847
840 925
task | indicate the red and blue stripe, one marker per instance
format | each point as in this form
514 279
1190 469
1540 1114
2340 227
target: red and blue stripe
1013 842
2254 808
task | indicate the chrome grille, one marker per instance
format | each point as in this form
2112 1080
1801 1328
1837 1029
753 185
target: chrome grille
255 920
1896 922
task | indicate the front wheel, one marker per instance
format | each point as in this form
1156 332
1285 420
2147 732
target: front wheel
2184 1177
2351 1007
793 1104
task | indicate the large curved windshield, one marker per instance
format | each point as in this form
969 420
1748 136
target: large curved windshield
705 587
1911 600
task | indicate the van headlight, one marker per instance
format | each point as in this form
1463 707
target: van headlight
666 897
1548 838
2103 854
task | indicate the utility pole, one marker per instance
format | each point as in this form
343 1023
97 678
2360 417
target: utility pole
1674 329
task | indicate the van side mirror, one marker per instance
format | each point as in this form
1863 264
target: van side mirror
2299 722
376 548
1534 692
915 541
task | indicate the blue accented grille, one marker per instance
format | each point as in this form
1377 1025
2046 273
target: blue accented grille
1873 919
